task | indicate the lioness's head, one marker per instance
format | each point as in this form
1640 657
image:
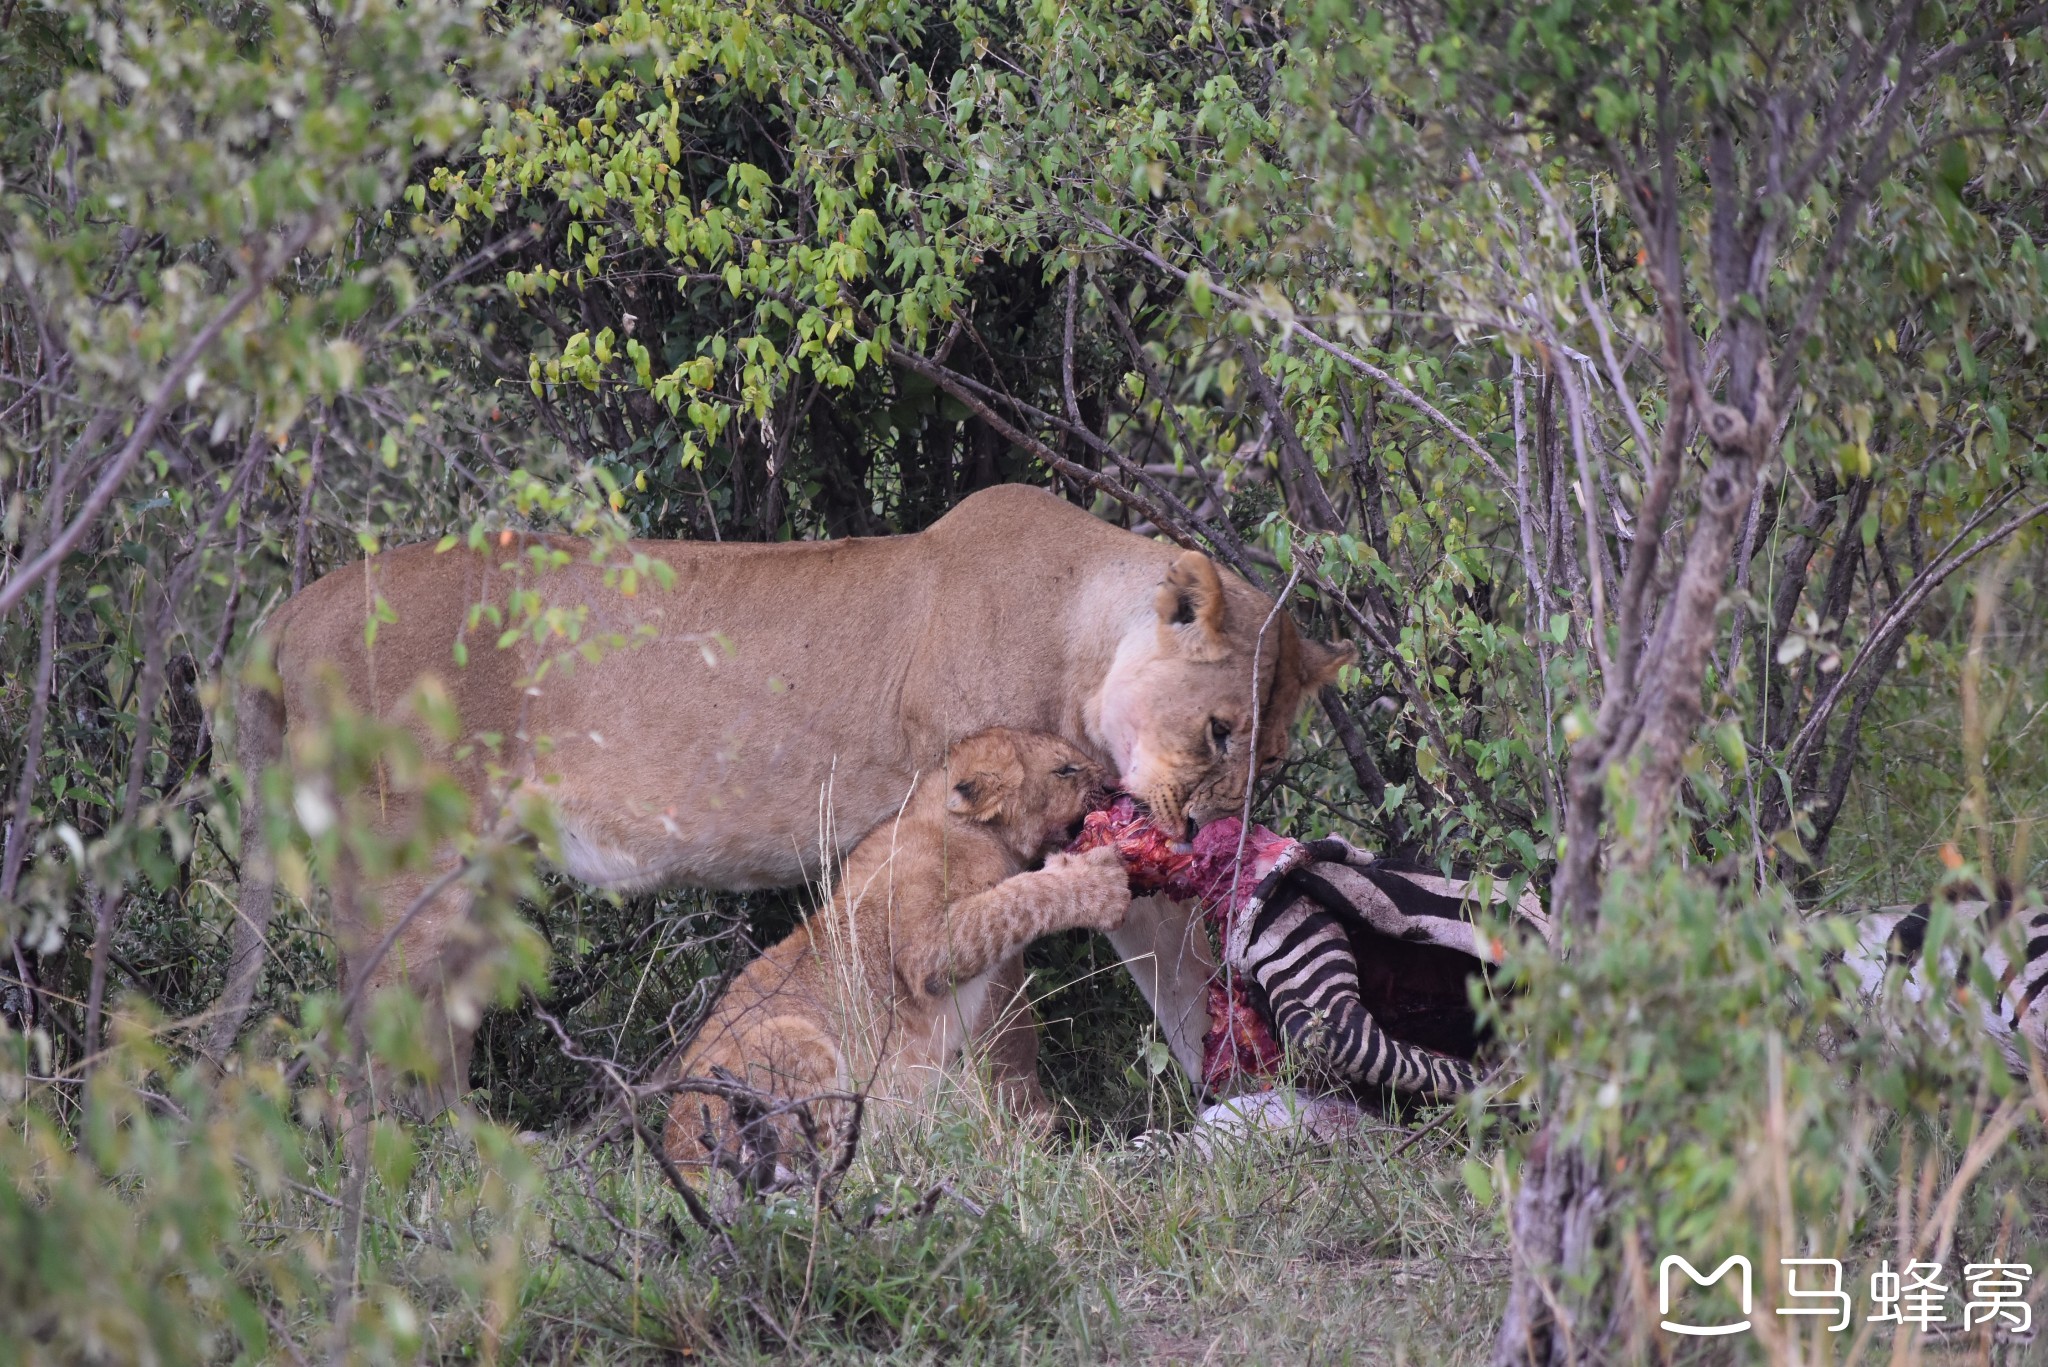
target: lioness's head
1176 708
1030 788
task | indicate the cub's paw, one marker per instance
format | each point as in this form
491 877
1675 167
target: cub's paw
1101 885
1098 863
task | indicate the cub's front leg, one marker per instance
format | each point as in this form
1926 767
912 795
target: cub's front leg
1086 891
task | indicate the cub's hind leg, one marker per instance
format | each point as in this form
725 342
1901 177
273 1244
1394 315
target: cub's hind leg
769 1115
1009 1032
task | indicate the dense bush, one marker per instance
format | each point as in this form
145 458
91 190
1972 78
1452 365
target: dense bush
1651 391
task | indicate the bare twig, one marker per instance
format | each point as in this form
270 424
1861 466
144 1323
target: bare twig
302 544
1321 343
1894 622
167 391
953 384
32 754
149 691
629 1102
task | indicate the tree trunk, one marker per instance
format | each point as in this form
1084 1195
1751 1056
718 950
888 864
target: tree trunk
1556 1225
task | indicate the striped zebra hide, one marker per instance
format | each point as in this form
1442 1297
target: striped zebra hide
1364 965
1358 964
2012 944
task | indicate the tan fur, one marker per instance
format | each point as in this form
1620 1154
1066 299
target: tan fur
887 983
1191 601
787 696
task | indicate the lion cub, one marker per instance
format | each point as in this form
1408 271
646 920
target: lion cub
886 984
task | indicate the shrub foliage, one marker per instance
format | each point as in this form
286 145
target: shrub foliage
1651 390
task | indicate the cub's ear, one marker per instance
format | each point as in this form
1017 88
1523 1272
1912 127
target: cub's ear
985 773
978 797
1190 605
1320 663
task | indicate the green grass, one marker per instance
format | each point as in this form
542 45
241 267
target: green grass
993 1245
1086 1245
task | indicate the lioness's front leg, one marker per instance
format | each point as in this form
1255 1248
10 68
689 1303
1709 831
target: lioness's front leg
1167 952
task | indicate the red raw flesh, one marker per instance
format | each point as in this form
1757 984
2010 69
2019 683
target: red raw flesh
1219 873
1240 1044
1149 856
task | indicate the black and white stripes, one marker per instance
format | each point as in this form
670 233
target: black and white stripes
2013 948
1301 962
1294 940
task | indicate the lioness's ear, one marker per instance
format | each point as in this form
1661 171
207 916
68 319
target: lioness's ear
1320 663
1190 605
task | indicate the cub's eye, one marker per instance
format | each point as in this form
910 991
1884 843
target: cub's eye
1066 771
1219 733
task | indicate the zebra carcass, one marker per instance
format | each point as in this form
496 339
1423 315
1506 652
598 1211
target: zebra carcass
1360 965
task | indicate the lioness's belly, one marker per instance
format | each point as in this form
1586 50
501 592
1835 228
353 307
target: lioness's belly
736 730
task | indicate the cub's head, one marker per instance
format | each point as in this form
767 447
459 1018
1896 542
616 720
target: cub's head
1029 788
1176 707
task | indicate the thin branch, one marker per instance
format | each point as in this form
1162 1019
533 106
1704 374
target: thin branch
952 383
32 758
167 391
1895 620
629 1110
1370 780
1315 339
1624 398
302 544
1067 349
1412 689
149 691
1589 498
109 903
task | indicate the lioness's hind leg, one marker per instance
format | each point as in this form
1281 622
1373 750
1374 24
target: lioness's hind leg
429 961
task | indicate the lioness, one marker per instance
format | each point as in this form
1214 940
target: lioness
888 981
785 700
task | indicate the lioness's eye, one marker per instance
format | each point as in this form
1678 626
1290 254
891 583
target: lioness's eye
1219 733
1066 771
